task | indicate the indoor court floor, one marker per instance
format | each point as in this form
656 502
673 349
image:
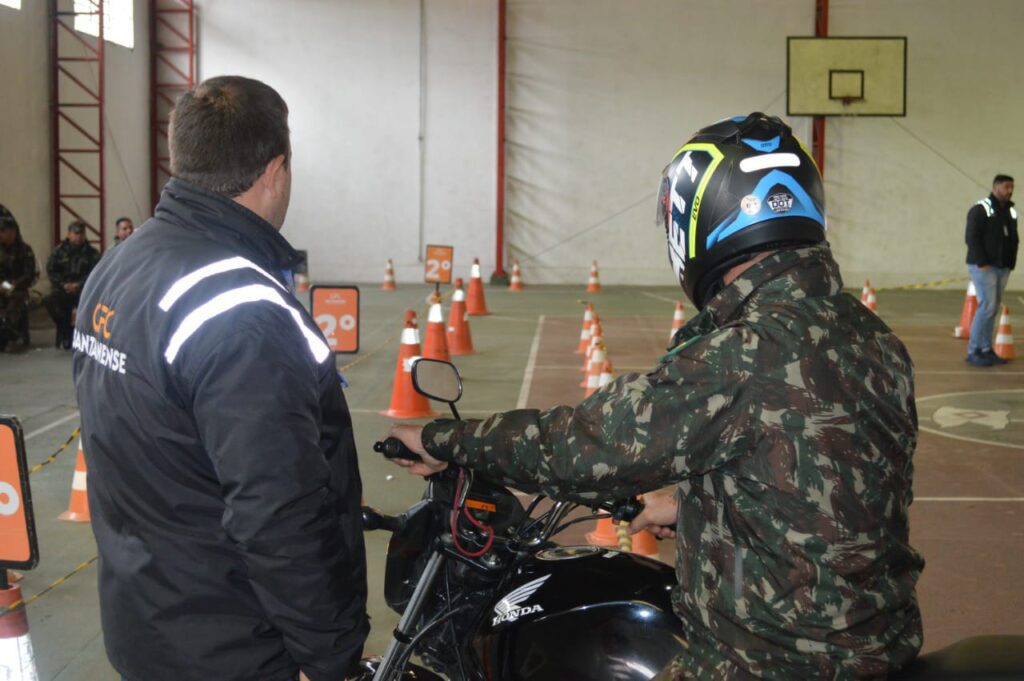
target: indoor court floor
967 519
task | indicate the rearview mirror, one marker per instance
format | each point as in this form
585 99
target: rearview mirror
437 380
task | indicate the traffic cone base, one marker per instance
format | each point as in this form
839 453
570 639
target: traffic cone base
78 505
603 534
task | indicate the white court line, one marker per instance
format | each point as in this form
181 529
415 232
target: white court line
531 363
977 441
958 372
657 297
44 429
970 499
1020 298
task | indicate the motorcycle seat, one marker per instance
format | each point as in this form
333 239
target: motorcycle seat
979 658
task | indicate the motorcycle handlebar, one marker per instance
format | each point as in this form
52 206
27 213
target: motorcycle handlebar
393 448
624 509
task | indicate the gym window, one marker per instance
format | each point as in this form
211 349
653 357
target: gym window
16 4
118 20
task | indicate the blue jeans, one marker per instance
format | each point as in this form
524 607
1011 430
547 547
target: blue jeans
989 285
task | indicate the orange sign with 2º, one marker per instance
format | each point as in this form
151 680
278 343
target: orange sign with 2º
17 527
336 312
439 264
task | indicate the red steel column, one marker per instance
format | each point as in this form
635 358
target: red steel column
499 275
818 125
172 70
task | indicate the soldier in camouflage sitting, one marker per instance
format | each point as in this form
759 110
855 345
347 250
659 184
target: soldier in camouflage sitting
783 415
17 274
68 267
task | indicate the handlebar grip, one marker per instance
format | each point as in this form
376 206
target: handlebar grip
626 509
393 448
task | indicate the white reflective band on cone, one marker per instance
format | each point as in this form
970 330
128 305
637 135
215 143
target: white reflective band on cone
435 316
475 272
407 364
79 481
409 336
971 291
17 663
460 296
228 301
186 283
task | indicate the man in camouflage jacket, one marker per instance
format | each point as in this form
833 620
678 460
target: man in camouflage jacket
68 268
785 413
17 274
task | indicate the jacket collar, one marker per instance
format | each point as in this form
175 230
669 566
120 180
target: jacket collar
227 222
997 205
784 276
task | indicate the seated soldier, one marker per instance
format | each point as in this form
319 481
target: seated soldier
68 267
17 274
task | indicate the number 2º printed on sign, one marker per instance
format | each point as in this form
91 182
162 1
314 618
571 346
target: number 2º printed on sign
439 264
336 312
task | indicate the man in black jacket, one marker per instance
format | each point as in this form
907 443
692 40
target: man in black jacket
223 480
992 240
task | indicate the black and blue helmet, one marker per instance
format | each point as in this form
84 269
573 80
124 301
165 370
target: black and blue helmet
739 187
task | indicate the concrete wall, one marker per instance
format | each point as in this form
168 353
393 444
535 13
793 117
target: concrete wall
25 171
600 95
352 73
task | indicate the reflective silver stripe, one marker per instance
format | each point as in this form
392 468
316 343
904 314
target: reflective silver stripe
988 207
1013 212
231 299
183 285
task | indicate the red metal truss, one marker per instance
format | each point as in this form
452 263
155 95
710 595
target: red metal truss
172 71
77 115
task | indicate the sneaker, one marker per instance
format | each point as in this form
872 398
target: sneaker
996 359
979 359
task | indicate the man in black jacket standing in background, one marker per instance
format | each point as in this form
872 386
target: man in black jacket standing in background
223 480
992 241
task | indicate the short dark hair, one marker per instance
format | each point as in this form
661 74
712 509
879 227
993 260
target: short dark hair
78 226
225 132
122 219
1002 178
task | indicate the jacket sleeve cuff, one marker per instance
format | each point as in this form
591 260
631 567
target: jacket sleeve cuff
443 440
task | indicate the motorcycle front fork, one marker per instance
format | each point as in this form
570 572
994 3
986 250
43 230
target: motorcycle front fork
398 651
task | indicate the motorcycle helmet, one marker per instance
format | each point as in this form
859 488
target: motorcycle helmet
739 187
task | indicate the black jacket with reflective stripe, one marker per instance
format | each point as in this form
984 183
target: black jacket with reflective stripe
991 234
223 482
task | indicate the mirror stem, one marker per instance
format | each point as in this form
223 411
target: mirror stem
455 412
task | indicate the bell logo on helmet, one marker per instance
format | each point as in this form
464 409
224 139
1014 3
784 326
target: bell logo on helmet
781 202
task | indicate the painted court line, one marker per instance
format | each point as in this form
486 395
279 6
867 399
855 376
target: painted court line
531 363
45 429
970 499
657 297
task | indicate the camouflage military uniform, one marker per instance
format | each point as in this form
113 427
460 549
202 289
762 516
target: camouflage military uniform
67 264
786 416
17 268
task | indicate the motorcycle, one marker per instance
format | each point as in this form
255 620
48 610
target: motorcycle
484 592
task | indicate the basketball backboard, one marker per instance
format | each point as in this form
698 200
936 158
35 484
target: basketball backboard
846 76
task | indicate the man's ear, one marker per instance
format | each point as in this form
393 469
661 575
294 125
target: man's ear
273 174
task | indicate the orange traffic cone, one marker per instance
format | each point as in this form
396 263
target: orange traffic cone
607 376
460 342
389 277
872 302
435 345
593 283
1004 336
515 282
865 291
588 319
78 506
598 362
595 338
16 657
411 319
616 535
475 303
967 314
406 403
678 319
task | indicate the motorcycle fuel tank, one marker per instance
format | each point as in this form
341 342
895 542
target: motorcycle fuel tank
581 613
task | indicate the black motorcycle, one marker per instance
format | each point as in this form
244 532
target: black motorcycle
485 594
